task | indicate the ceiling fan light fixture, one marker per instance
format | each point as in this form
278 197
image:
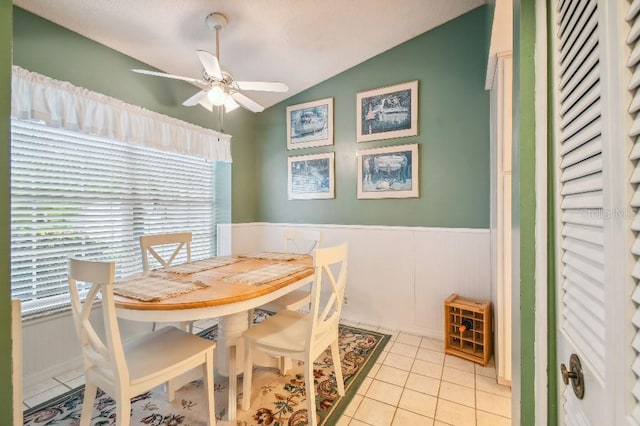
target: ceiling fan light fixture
217 95
230 104
218 88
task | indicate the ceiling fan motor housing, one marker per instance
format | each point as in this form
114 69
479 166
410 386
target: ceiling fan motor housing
216 21
218 87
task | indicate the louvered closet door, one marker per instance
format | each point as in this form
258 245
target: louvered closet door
584 209
633 40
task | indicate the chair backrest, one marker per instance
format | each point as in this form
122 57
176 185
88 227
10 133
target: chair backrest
327 293
103 357
148 243
301 241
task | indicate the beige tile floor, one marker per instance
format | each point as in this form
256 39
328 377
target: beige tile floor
413 383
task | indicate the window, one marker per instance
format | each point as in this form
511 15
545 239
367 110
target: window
76 194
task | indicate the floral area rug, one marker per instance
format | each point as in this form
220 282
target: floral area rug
276 400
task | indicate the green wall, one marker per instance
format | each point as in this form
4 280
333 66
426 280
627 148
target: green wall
49 49
491 11
244 201
450 64
523 214
6 402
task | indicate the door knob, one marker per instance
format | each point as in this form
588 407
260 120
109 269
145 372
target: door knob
574 373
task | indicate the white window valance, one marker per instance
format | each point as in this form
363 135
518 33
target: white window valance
61 104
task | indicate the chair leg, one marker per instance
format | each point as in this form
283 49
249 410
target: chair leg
281 368
246 380
337 366
123 412
233 384
187 326
310 391
209 388
153 327
171 389
90 390
284 364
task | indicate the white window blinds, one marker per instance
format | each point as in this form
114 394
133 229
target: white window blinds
76 194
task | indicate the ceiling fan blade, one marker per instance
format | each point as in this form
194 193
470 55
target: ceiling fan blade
205 102
210 64
246 102
267 86
176 77
195 99
230 104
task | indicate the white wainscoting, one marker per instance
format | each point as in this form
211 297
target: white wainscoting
398 276
50 345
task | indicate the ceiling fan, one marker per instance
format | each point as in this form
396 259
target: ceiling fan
218 87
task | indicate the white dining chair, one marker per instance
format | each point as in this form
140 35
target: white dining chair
165 248
125 371
150 245
297 242
304 336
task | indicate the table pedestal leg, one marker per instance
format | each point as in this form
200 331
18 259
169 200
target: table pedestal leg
230 355
230 350
230 329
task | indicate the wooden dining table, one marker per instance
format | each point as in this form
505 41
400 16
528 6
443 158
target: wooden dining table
219 297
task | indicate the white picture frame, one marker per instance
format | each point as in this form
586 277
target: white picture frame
388 172
310 124
387 112
311 176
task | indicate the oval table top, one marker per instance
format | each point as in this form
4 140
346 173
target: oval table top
218 291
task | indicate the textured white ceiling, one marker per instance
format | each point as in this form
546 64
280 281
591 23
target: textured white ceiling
298 42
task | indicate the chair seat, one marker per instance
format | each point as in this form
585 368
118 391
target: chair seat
285 332
304 336
126 370
293 301
171 347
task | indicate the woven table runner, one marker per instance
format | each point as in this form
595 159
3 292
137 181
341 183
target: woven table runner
265 274
275 256
153 288
200 265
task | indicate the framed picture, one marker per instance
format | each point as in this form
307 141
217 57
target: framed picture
388 112
310 124
311 177
388 172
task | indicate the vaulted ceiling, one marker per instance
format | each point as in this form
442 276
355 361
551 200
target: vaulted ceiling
298 42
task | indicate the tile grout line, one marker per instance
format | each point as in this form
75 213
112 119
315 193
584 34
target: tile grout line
397 337
475 394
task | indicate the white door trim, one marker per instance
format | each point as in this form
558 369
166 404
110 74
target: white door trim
504 253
